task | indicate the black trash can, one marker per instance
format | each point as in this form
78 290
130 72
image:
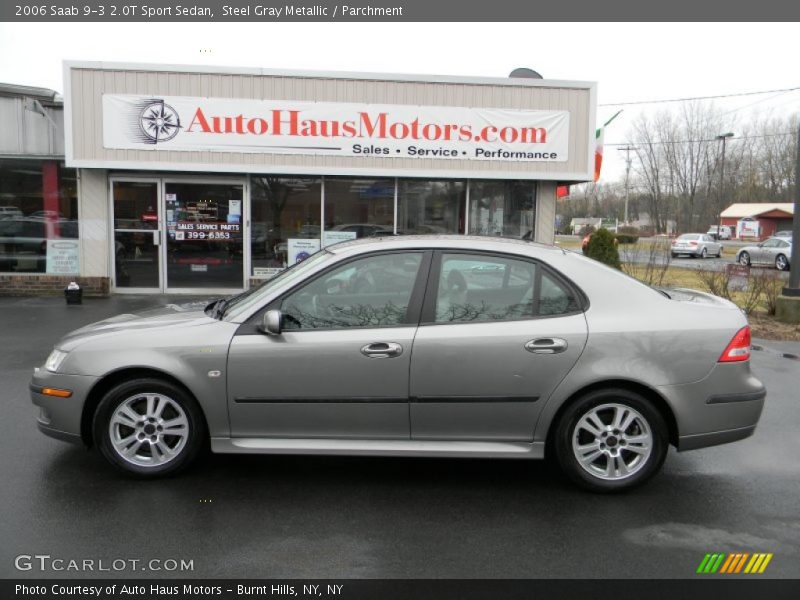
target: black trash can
73 293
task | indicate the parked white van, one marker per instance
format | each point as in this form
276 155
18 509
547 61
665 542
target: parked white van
724 232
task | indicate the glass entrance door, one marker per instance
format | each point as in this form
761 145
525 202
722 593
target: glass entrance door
136 261
204 225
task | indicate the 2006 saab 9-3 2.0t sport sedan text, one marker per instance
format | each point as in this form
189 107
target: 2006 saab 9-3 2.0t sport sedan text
417 346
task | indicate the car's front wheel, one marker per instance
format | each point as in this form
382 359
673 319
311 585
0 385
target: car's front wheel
611 440
149 427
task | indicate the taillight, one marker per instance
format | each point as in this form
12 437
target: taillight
673 242
693 243
739 348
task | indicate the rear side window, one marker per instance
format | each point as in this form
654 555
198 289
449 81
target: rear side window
476 288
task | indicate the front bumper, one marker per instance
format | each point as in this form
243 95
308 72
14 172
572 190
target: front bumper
723 407
60 418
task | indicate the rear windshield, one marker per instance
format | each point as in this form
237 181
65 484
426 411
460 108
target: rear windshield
689 236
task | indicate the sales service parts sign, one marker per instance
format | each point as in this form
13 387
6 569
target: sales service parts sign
330 128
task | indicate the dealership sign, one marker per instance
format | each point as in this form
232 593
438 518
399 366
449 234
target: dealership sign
333 128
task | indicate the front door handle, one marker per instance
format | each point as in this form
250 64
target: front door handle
382 350
546 346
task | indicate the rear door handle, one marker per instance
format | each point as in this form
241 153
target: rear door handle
382 350
546 346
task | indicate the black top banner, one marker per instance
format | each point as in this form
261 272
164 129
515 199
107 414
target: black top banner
241 11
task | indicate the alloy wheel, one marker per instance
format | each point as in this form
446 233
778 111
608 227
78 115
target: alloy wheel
612 441
744 259
781 263
148 429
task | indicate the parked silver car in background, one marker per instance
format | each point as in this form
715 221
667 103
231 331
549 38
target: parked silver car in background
696 244
772 252
415 346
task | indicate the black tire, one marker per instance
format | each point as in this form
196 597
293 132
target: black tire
703 253
566 427
744 259
781 263
674 255
195 438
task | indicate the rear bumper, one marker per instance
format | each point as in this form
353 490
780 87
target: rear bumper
704 440
723 407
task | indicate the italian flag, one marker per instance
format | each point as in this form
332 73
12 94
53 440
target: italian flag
598 146
563 190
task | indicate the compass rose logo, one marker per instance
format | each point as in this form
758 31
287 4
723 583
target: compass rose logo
159 122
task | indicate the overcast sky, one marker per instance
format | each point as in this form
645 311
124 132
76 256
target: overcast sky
639 61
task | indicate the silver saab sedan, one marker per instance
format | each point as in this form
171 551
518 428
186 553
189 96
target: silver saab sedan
415 346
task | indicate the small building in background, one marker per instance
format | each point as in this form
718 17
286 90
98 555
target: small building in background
758 220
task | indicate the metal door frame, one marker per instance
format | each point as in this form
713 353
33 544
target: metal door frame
112 238
160 183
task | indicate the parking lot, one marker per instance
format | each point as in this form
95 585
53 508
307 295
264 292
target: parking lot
298 517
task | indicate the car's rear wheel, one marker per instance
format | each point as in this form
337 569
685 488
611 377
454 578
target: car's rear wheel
703 253
744 259
149 427
611 440
781 263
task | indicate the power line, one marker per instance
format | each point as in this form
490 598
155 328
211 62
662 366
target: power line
792 89
741 137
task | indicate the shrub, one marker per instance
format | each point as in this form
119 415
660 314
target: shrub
586 230
627 235
602 247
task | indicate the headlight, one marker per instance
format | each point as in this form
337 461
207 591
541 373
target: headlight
54 361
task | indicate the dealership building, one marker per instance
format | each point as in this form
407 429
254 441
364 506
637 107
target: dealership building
159 178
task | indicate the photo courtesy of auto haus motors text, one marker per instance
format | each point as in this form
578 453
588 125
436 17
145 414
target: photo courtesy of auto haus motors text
334 129
185 590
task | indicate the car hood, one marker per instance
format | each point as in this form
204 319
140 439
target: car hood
170 315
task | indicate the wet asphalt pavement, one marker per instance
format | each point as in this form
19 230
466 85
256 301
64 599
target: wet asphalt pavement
299 517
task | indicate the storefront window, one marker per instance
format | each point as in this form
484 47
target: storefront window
38 217
204 235
285 221
428 207
356 208
502 208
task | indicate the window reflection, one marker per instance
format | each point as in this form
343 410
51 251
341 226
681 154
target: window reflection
357 208
285 223
38 217
502 208
431 206
370 292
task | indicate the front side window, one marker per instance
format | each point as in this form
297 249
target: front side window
369 292
475 288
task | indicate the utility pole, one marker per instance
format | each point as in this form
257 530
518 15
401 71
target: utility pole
627 150
788 304
724 137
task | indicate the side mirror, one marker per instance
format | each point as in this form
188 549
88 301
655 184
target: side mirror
272 324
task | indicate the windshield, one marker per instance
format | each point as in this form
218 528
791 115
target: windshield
689 236
243 302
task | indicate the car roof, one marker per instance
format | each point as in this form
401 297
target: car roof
440 241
